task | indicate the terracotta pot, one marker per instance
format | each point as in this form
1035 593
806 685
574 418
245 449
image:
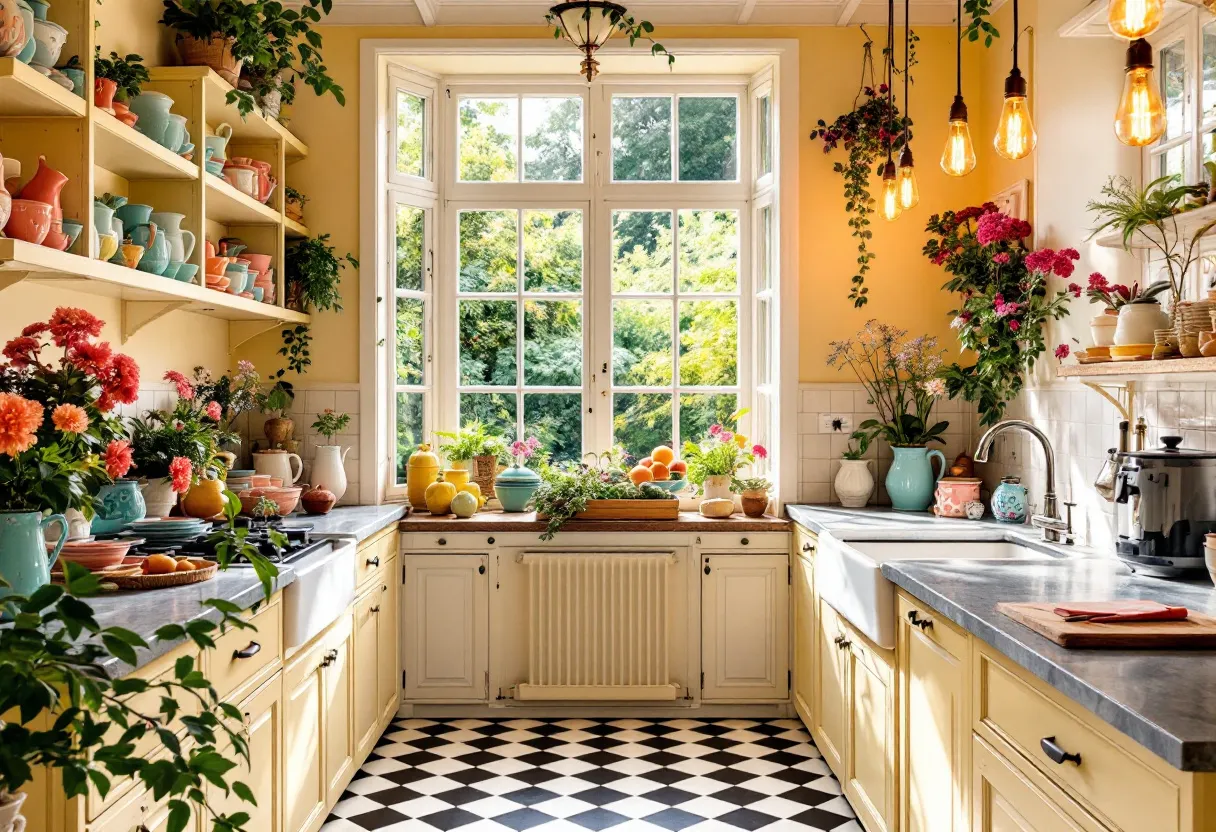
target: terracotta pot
123 113
215 52
279 430
318 500
285 498
30 221
755 503
103 94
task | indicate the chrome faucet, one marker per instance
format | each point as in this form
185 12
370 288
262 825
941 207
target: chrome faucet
1054 529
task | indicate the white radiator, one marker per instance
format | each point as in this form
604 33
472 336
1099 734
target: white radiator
598 626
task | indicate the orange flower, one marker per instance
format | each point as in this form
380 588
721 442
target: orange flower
19 418
70 418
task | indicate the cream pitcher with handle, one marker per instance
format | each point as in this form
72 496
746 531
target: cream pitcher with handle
281 464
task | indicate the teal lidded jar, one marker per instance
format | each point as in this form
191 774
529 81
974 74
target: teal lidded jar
1009 501
515 486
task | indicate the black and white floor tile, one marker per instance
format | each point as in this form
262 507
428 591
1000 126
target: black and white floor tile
581 775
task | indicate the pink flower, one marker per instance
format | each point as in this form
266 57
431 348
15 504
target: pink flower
1014 326
214 411
22 350
70 418
714 430
181 471
185 389
1062 351
935 387
1041 260
759 451
1062 265
726 436
520 448
118 458
1076 289
1001 258
1098 283
532 442
995 227
1001 308
70 326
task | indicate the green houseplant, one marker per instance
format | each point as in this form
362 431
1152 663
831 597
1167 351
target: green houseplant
314 273
478 449
715 460
128 73
216 33
290 52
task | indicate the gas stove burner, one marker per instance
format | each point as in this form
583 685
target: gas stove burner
299 542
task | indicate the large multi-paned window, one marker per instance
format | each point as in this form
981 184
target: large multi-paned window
603 262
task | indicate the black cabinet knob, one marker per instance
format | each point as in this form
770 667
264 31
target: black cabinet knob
744 541
489 541
374 561
443 541
481 570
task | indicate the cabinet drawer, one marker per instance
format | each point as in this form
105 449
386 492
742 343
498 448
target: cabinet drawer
740 542
1006 799
1109 781
375 554
240 654
934 626
804 543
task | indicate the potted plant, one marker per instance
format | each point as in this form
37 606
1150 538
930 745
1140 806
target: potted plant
476 449
854 483
276 399
290 52
1112 298
565 490
313 273
118 79
714 461
753 494
294 203
516 485
217 33
327 467
901 378
236 395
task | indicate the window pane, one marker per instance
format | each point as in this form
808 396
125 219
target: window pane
553 343
765 231
411 130
709 336
553 251
489 134
409 247
409 429
641 139
495 410
556 419
708 139
641 251
409 341
553 139
764 328
487 342
1209 71
1173 86
766 134
700 410
1173 161
641 422
709 251
489 251
641 343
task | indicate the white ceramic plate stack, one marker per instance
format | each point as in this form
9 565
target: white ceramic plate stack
167 531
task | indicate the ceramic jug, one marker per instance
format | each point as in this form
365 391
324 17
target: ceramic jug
132 214
911 480
155 257
49 38
328 469
46 186
279 464
218 144
854 483
153 111
12 29
175 133
159 496
24 561
27 17
118 504
181 241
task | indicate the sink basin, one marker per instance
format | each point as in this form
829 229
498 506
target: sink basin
849 576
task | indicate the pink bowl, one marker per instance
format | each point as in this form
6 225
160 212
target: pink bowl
257 262
94 559
30 221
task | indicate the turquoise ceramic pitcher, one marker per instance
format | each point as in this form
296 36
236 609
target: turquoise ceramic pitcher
910 481
24 561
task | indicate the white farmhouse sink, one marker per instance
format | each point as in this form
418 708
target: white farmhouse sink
848 574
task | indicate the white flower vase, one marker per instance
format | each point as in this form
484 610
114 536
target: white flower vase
328 469
159 496
10 814
854 483
1138 321
717 488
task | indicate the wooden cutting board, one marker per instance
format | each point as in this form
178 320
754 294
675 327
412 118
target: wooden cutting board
1197 631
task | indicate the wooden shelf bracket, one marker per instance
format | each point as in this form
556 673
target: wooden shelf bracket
136 314
241 331
1120 394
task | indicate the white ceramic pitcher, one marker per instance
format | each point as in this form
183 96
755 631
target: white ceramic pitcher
328 470
282 464
181 240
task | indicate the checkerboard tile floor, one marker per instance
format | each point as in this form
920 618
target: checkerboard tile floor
574 775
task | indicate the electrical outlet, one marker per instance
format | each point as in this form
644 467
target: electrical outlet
835 423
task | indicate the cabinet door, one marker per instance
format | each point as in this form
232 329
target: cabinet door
745 627
870 751
388 664
304 792
446 627
338 746
1006 801
804 636
828 712
935 734
263 711
368 607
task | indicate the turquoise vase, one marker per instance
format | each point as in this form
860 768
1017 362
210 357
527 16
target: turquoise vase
515 486
910 481
24 561
1009 501
118 505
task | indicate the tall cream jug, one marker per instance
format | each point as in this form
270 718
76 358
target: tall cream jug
282 464
328 470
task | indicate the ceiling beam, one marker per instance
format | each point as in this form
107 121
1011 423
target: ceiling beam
426 10
847 12
746 7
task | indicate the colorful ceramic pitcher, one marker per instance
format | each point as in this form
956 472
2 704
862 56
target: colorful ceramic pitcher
181 241
24 561
118 504
910 481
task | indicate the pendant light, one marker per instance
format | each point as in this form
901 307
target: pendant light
909 193
1140 119
588 24
1133 19
1015 136
890 207
958 156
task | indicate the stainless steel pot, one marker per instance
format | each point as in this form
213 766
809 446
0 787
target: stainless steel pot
1165 502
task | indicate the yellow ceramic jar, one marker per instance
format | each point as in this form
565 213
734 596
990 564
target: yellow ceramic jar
458 477
205 499
421 470
439 497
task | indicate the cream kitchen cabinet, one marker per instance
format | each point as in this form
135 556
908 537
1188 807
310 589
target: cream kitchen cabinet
446 627
803 601
263 713
1006 800
745 627
829 713
377 683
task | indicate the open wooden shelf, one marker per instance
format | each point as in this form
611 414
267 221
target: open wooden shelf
294 230
132 155
26 92
1184 225
1132 370
227 205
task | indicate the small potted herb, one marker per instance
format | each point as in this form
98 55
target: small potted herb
753 493
294 203
313 274
327 466
117 80
475 449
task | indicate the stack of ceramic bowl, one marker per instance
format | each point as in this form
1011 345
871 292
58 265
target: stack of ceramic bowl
167 531
1193 318
217 276
259 267
240 479
239 279
1165 344
96 554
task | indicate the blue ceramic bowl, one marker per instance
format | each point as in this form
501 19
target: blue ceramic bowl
215 168
171 270
72 228
258 293
186 272
671 486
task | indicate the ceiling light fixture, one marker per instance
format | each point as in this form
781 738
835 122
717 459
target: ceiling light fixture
958 157
588 24
891 207
1133 19
909 193
1140 119
1015 137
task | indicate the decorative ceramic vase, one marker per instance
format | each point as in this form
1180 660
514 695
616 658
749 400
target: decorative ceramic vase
10 814
755 502
1102 328
49 38
155 256
159 496
29 220
328 469
1009 501
76 76
131 214
515 486
46 186
318 500
218 143
278 430
27 17
153 110
78 526
272 101
458 477
717 487
12 31
421 470
854 483
1138 320
24 561
72 229
910 481
204 499
483 472
118 504
954 494
103 94
215 52
107 245
175 133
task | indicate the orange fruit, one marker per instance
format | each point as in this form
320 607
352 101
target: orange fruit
660 471
159 565
678 469
640 475
645 462
185 566
663 455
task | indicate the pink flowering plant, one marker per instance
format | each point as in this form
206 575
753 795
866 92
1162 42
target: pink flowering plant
722 453
1004 300
524 449
900 375
181 443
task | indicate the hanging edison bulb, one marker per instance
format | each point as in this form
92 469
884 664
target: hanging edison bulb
1133 19
891 207
909 193
1015 136
1140 119
958 157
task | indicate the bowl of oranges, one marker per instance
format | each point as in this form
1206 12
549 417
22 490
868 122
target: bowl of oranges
661 468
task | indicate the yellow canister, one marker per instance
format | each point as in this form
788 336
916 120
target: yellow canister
421 470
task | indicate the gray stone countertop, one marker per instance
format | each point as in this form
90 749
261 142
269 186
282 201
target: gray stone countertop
1162 699
360 521
885 523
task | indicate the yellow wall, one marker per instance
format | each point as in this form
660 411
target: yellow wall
904 286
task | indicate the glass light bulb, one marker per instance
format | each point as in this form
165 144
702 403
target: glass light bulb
1133 19
891 208
958 157
1015 136
1140 119
909 193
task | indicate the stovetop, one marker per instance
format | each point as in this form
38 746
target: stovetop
300 543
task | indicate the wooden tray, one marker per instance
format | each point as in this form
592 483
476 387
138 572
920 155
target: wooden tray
120 576
628 510
1197 631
